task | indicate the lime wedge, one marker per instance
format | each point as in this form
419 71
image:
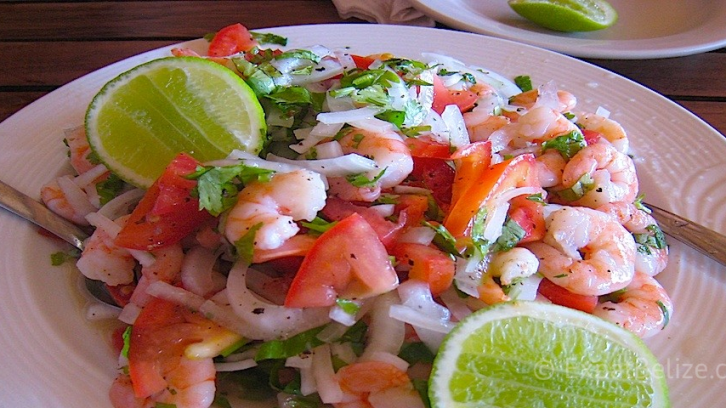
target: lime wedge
567 15
532 354
141 119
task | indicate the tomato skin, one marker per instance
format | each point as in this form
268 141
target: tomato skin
563 297
167 213
362 62
443 97
231 40
530 216
591 136
427 148
480 186
347 261
336 210
428 264
435 175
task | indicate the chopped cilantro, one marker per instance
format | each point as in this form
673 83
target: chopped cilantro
279 349
60 257
217 187
443 238
537 198
578 190
666 313
126 336
111 187
318 225
348 306
524 82
567 145
512 233
299 54
245 246
360 179
269 38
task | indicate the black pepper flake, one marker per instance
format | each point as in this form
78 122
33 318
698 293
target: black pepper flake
258 311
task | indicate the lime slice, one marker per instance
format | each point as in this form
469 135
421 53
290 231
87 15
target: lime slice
567 15
141 119
532 354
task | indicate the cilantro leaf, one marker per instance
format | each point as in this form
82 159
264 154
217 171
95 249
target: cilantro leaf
269 38
583 185
567 145
360 180
245 246
217 187
512 233
524 82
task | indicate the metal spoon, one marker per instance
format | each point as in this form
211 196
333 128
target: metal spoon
24 206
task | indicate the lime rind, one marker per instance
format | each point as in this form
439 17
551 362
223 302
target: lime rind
567 15
142 118
525 354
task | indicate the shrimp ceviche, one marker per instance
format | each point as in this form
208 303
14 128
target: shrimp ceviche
393 198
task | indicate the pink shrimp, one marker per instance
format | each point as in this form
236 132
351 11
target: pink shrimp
389 152
585 251
567 100
644 307
611 175
103 260
79 149
652 255
376 384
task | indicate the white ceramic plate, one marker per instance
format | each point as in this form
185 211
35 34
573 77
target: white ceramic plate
52 357
645 28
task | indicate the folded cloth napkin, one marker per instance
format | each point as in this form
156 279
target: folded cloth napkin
383 12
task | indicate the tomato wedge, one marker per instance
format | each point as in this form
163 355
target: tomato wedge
563 297
231 40
347 261
428 264
443 97
167 212
336 210
475 187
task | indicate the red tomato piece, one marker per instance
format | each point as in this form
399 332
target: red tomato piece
121 294
231 40
479 187
336 210
411 209
167 212
435 175
362 62
591 136
563 297
427 148
444 97
428 264
347 261
530 216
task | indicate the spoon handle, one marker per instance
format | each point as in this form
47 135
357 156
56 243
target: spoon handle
698 237
33 211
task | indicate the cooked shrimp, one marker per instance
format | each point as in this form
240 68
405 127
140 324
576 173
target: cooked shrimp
611 130
550 166
644 307
160 371
652 254
537 125
481 124
389 152
376 384
585 251
103 260
567 100
612 175
74 208
166 267
79 149
275 206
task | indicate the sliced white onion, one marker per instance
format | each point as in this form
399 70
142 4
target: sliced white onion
235 366
500 83
495 222
525 289
515 192
385 334
326 69
87 178
348 116
175 294
103 223
339 104
390 358
198 274
329 150
411 190
273 321
129 313
458 135
254 161
121 204
419 320
600 111
345 59
372 124
335 167
418 235
547 96
339 315
456 305
385 210
324 374
468 275
304 363
76 197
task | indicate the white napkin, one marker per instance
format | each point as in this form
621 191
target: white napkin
383 12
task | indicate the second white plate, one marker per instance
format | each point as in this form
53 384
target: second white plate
645 28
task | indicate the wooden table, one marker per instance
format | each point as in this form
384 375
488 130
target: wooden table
45 44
